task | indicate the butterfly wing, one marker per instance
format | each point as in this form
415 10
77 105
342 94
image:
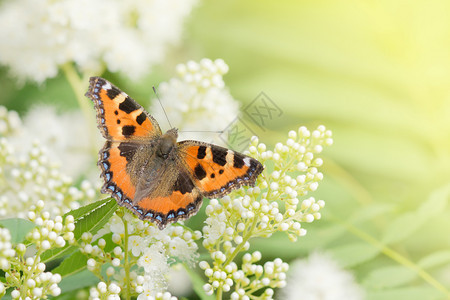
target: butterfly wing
216 170
154 189
119 117
179 202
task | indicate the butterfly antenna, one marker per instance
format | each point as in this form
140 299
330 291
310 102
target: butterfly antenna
208 131
159 100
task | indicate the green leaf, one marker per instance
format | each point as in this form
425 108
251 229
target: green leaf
18 228
354 254
436 202
77 281
85 210
96 217
198 283
435 259
371 211
77 261
389 277
73 264
407 224
402 227
89 218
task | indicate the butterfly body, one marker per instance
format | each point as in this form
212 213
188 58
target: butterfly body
156 177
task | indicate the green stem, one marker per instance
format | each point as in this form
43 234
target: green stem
126 262
241 245
219 294
235 252
79 87
394 255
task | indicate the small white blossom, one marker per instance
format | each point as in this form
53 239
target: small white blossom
195 98
137 244
320 278
30 177
154 259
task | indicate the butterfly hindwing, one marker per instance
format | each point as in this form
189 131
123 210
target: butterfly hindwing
119 117
182 201
217 170
113 160
175 197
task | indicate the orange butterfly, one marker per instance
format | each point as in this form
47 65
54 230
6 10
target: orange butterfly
156 177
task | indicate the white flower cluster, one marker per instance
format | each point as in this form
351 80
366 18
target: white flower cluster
251 276
69 146
151 249
50 233
9 121
158 296
6 250
272 205
43 35
105 291
26 274
320 277
31 177
195 98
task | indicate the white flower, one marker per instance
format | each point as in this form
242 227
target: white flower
116 225
33 176
179 281
197 100
64 135
9 121
320 278
152 288
137 244
48 34
154 259
182 250
148 292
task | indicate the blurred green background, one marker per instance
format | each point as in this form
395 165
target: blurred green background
377 73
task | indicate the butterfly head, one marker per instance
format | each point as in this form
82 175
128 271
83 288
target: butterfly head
167 143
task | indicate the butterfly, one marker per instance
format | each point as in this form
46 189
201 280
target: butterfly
150 173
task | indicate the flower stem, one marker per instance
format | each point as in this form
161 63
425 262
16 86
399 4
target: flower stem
219 294
236 251
126 261
241 245
79 86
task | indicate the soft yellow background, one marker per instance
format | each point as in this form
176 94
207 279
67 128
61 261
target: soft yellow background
377 73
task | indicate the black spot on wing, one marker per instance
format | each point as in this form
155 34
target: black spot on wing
112 92
141 118
201 153
128 105
183 184
238 161
127 150
199 172
219 156
128 130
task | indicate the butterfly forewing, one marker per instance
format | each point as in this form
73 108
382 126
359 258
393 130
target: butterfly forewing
119 117
218 170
